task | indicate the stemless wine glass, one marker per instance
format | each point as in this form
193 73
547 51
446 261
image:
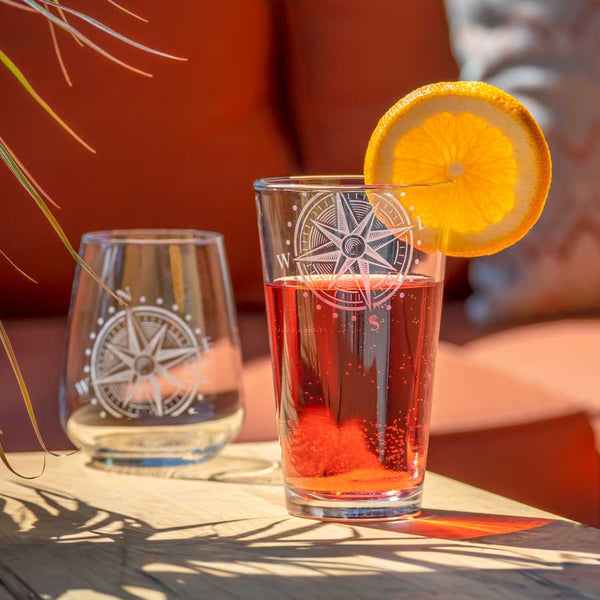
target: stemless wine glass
353 299
154 380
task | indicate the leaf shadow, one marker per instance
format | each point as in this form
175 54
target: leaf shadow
53 543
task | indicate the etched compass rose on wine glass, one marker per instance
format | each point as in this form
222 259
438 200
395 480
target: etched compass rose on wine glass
353 251
145 362
152 372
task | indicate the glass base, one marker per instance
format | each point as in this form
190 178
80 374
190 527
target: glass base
127 445
111 459
401 505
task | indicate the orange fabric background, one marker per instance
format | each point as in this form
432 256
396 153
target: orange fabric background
178 150
182 149
349 61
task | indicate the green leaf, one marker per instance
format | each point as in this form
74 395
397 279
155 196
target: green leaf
62 15
63 24
59 58
7 464
14 363
105 29
130 13
29 176
16 267
14 168
67 27
10 65
17 5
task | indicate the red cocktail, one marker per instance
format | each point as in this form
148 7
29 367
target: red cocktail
354 309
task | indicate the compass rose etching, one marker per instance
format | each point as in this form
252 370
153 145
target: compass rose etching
353 251
145 362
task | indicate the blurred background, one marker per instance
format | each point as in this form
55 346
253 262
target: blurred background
276 87
271 88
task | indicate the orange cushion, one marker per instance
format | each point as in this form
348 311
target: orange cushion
178 150
549 464
349 61
469 396
259 424
562 356
512 436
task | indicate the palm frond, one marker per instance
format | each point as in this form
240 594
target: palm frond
59 58
14 363
127 11
29 176
62 15
7 464
46 13
15 266
16 5
10 65
67 27
95 23
14 168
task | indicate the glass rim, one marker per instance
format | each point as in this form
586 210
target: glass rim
152 236
349 183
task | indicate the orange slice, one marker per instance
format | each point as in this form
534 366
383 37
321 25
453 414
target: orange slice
481 155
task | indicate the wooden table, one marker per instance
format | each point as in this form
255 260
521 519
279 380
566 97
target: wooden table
221 531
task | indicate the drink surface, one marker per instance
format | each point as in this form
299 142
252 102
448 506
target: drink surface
353 387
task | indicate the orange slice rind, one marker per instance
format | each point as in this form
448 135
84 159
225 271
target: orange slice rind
477 158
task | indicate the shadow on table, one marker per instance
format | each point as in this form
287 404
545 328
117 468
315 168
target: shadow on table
225 469
59 544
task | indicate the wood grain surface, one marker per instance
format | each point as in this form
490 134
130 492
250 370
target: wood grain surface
220 531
